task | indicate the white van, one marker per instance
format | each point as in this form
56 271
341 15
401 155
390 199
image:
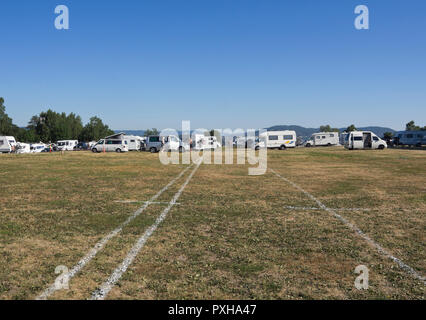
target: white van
323 139
173 143
7 144
277 140
67 145
110 145
37 147
364 140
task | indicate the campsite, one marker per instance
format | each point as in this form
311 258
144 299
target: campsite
228 236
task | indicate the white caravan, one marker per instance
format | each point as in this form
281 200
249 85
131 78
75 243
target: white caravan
37 147
23 148
67 145
7 144
277 140
203 142
133 142
364 140
323 139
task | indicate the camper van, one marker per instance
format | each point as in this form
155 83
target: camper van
7 144
364 140
67 145
110 145
277 140
322 139
133 142
411 138
203 142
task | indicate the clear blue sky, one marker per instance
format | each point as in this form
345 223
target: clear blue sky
218 63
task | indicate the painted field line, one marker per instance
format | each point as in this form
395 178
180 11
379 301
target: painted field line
98 246
137 201
314 208
105 288
354 228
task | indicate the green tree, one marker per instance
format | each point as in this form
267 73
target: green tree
351 128
6 126
151 132
327 128
95 130
411 126
388 135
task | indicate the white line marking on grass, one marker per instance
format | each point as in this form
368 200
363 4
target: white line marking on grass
353 227
313 208
105 288
98 246
137 201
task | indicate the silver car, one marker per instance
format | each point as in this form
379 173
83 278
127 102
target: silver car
111 145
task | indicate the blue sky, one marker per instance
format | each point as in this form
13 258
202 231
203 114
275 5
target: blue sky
218 63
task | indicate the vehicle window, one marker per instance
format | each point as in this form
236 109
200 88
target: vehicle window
375 139
154 139
358 138
101 142
318 137
323 137
409 136
1 142
331 135
273 137
131 141
420 136
288 137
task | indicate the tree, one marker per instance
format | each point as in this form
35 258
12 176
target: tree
327 128
6 126
95 130
411 126
351 128
388 135
152 132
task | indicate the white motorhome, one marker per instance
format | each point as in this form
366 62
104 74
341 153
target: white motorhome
364 140
67 145
277 139
133 142
323 139
7 144
203 142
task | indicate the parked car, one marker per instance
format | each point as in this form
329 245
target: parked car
110 145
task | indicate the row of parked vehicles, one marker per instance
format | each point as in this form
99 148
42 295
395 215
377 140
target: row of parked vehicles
271 139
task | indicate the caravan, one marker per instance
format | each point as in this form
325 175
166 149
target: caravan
277 140
67 145
364 140
7 144
323 139
133 142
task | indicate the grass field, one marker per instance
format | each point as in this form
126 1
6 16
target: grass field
229 235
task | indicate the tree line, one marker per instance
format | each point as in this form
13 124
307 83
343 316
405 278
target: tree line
51 126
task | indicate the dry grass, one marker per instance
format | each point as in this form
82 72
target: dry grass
230 237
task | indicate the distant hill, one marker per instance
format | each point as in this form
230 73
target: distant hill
300 131
306 132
